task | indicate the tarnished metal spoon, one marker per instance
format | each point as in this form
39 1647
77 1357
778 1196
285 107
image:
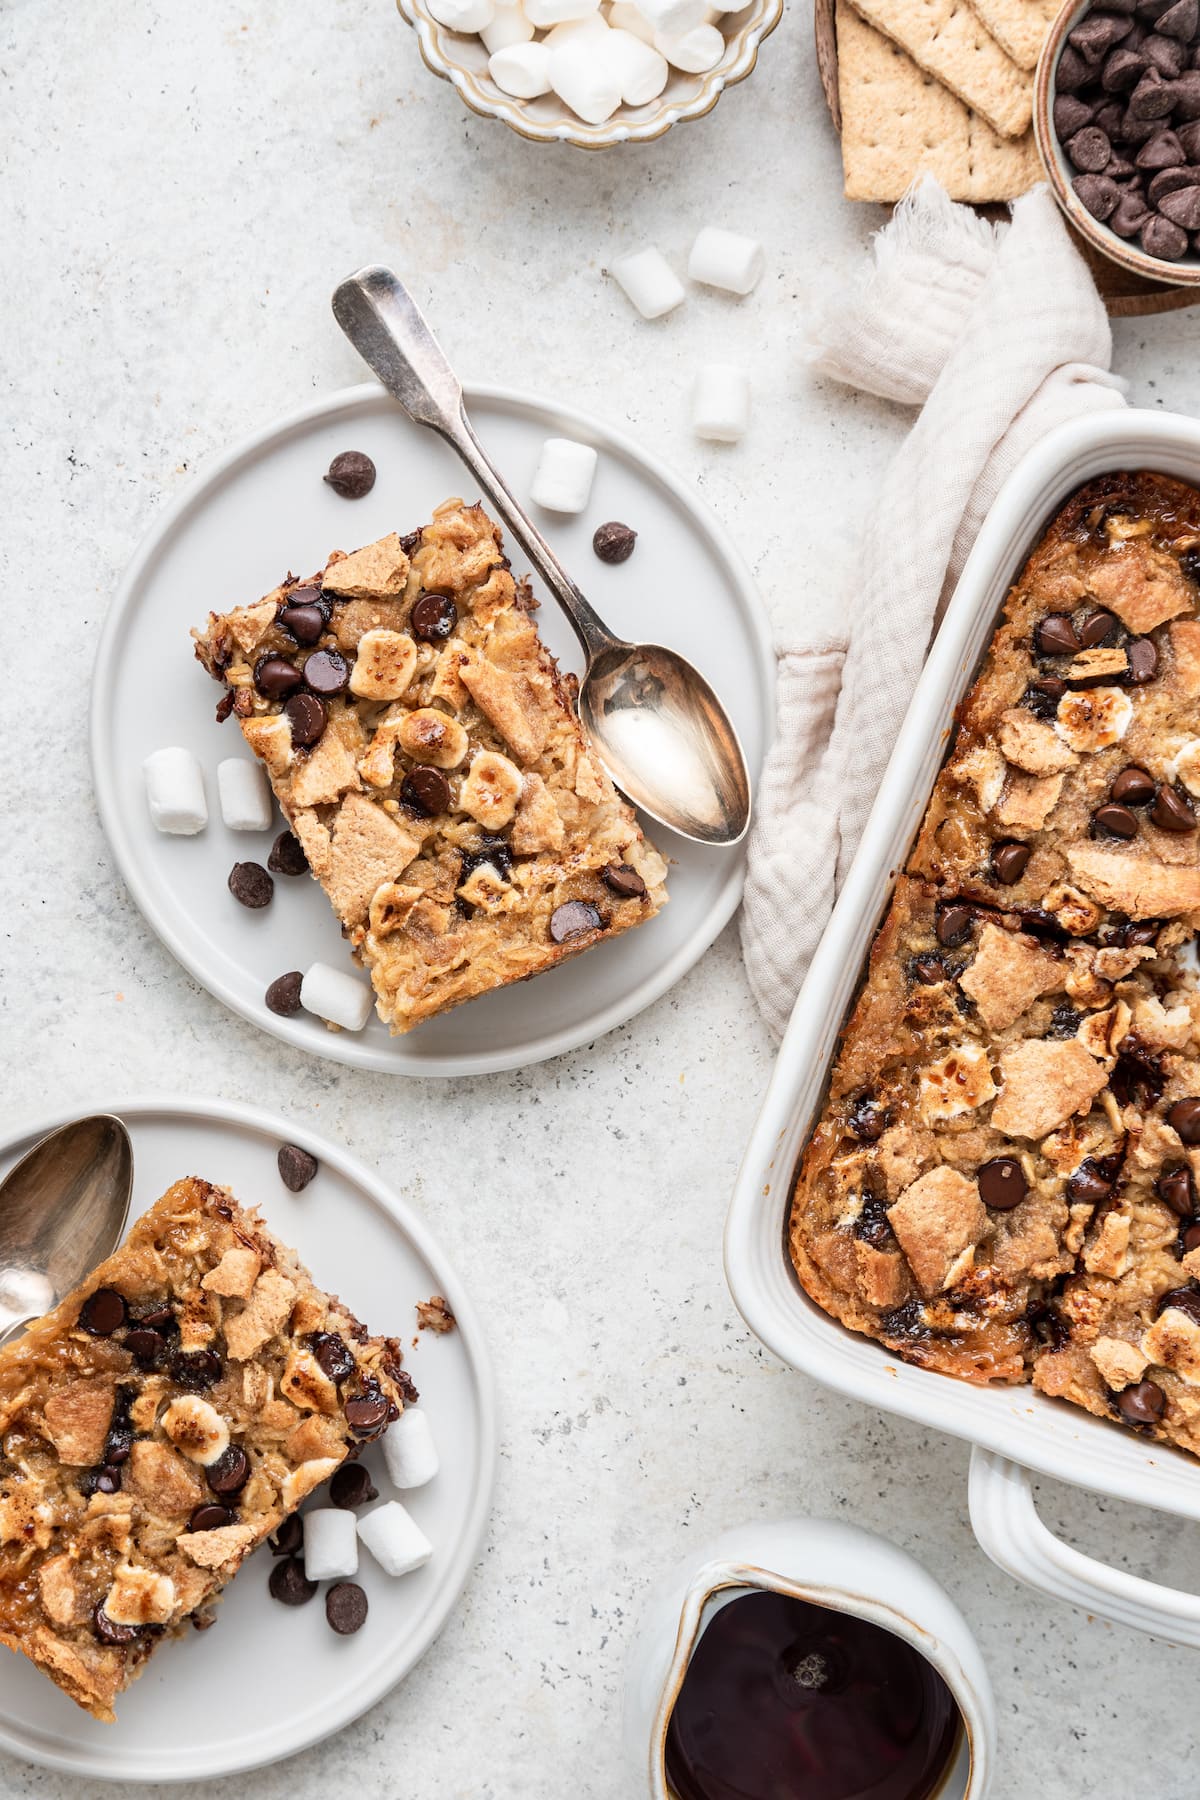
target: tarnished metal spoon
663 735
62 1211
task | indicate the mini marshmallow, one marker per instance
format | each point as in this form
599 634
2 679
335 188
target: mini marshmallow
330 1544
544 13
245 794
721 402
563 482
409 1450
463 15
586 82
522 70
508 27
336 997
648 279
394 1539
726 259
641 69
674 17
623 15
694 51
175 791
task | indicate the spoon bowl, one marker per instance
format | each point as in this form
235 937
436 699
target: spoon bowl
62 1210
658 727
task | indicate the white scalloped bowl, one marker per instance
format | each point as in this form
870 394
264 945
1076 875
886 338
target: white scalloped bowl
461 59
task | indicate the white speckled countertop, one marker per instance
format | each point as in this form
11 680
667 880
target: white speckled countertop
184 186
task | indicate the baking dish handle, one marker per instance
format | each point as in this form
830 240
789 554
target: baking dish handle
1006 1523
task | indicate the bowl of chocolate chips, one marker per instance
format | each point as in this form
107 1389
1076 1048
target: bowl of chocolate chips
1117 120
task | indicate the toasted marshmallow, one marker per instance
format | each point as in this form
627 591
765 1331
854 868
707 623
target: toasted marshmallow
175 791
563 481
245 794
721 402
394 1538
197 1428
648 279
409 1450
522 70
726 259
1093 718
330 1544
336 997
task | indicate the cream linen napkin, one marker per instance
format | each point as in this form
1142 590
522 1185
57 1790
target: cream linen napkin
998 333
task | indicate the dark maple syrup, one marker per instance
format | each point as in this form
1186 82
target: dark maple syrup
784 1700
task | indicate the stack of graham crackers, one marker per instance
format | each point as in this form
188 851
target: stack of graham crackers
939 85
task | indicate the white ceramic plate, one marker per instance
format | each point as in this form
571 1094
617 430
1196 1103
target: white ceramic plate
269 1680
264 509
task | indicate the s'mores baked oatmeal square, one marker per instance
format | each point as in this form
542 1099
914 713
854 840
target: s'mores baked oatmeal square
1004 1182
159 1424
428 756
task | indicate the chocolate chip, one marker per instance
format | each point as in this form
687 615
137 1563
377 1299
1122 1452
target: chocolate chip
1167 181
196 1370
1089 150
1110 118
1184 1117
224 708
296 1167
103 1312
1123 69
953 925
1118 821
1089 1184
624 881
426 790
1064 1021
287 856
1183 1299
1152 97
572 919
1163 151
1171 812
1072 71
333 1354
145 1346
1008 862
108 1631
1143 661
1164 54
352 1487
158 1318
1072 114
1163 240
1056 636
1189 137
929 968
351 474
1099 193
366 1413
327 673
1096 628
308 719
1142 1404
1182 207
1191 1239
1133 787
306 623
1180 21
346 1607
433 619
1120 169
1174 1186
867 1121
283 995
1187 98
230 1472
250 884
1001 1183
286 1541
275 677
613 543
289 1584
210 1517
1098 33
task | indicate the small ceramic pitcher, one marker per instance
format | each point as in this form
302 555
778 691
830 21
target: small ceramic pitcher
831 1565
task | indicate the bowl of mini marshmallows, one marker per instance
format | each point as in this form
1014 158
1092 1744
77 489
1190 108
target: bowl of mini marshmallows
590 72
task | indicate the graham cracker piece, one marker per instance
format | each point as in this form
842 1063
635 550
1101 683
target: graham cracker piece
1019 27
946 38
898 123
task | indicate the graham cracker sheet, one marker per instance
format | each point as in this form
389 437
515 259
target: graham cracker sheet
1018 26
947 40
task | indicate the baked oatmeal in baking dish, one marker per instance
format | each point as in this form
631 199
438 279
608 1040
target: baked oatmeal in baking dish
1004 1182
159 1424
428 756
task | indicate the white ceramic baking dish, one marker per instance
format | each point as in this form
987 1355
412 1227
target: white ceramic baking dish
1015 1431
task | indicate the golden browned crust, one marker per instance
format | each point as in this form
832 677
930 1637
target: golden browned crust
447 897
109 1437
1001 1182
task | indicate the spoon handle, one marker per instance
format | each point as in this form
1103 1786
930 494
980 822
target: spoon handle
390 333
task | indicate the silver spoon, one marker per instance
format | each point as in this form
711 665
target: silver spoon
663 735
62 1211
